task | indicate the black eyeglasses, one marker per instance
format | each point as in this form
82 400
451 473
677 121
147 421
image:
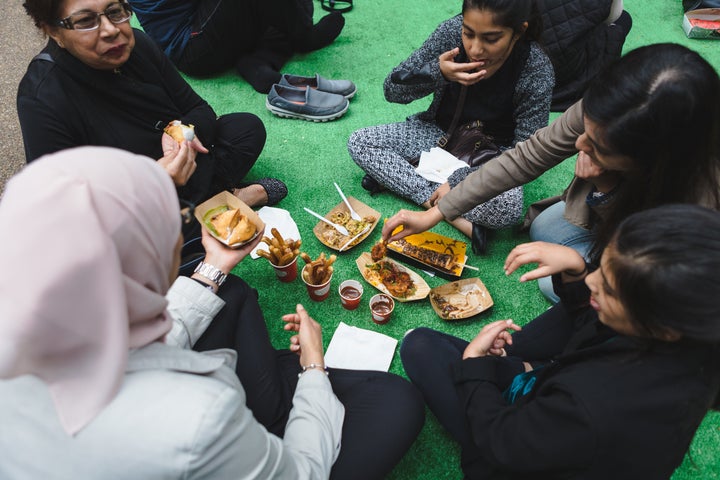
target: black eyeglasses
84 21
187 211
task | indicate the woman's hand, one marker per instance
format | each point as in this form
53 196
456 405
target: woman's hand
550 258
179 158
308 342
462 73
412 222
440 192
491 340
604 180
223 257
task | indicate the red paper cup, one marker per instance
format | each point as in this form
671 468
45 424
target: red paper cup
286 273
317 293
350 293
381 307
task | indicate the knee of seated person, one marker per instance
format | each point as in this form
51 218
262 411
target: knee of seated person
416 342
240 124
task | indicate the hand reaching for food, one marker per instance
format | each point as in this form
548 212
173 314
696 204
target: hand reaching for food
550 259
308 341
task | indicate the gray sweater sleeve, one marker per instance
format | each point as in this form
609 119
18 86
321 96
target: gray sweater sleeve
528 160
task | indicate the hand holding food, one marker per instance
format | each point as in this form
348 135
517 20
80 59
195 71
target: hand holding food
281 251
180 132
319 271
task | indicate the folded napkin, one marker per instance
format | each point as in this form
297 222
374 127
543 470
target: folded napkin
358 349
280 219
438 164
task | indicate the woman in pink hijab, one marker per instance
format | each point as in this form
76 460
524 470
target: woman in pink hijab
98 377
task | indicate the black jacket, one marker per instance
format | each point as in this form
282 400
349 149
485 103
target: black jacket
579 43
63 103
603 405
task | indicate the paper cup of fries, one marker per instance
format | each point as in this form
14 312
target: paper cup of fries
317 275
282 254
286 273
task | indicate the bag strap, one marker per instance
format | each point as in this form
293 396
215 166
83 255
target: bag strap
442 141
339 6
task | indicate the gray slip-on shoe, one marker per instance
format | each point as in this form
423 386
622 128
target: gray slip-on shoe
305 103
346 88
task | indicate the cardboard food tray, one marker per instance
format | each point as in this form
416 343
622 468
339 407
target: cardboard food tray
702 23
362 210
469 295
435 242
227 198
422 289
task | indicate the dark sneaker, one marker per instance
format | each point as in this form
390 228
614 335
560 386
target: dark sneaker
306 103
346 88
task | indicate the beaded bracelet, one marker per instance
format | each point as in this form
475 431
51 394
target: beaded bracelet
319 366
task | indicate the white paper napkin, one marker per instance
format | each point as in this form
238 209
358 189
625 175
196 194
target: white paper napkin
280 219
438 164
358 349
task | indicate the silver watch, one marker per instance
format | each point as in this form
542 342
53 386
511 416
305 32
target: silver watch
213 274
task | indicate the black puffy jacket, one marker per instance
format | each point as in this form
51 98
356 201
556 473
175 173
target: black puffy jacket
579 43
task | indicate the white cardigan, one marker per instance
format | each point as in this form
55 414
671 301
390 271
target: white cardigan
178 415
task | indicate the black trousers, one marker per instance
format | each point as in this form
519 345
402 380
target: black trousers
383 412
226 30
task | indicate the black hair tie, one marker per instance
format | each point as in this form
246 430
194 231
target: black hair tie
339 6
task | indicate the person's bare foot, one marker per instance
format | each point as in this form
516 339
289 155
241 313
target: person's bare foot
253 195
265 191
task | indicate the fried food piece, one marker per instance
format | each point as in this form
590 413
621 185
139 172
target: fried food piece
243 231
319 271
378 251
180 132
281 251
225 222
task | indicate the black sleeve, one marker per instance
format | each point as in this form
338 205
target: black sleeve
551 430
195 110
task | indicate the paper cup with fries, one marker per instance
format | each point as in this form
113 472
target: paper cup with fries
317 275
282 254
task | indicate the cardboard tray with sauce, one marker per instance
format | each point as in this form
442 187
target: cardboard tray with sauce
436 243
216 203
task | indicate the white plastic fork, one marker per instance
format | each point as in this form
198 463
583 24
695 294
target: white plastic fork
355 216
339 228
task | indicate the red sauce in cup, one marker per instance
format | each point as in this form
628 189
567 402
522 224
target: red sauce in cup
350 293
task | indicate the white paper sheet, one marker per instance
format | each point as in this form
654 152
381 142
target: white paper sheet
438 164
280 219
355 348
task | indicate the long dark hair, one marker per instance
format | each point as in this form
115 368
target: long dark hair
512 14
659 105
666 264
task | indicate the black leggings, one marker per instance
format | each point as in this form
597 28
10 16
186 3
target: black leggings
225 30
383 412
239 140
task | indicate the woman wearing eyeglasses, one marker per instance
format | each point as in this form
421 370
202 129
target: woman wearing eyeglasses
100 82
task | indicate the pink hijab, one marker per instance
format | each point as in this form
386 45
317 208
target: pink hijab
87 245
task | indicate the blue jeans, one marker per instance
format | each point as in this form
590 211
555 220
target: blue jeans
550 226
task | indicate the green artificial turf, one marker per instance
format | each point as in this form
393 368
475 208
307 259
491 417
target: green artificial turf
310 156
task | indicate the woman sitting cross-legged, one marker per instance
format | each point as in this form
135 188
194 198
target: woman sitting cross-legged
98 376
101 82
612 382
488 56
